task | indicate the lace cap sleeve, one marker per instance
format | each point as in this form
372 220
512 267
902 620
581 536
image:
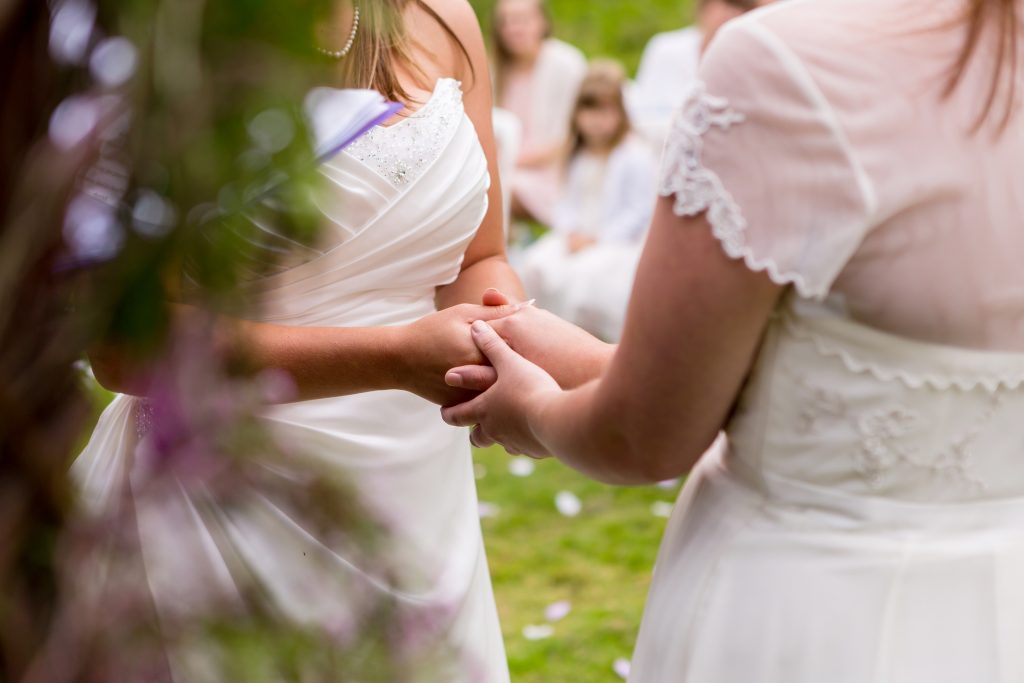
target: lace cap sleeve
756 150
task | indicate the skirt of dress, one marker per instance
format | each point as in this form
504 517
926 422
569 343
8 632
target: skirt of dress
766 580
413 476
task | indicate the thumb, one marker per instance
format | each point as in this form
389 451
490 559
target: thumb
492 345
501 311
494 297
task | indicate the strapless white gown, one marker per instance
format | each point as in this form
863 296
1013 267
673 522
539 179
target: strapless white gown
400 207
863 521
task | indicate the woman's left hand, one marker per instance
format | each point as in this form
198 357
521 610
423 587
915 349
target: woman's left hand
502 414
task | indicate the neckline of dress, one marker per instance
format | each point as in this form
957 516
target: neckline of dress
421 111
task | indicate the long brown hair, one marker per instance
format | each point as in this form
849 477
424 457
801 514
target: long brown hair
383 43
603 84
1003 16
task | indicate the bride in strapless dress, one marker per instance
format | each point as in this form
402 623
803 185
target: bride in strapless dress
833 278
412 223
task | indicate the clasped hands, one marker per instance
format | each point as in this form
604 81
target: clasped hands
500 361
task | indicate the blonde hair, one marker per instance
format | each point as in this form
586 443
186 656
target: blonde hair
382 43
603 83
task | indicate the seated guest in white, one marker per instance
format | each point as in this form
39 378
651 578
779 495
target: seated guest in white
669 66
536 78
583 269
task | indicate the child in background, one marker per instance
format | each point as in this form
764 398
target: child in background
583 269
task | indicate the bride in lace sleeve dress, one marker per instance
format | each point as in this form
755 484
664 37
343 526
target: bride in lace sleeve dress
407 229
833 277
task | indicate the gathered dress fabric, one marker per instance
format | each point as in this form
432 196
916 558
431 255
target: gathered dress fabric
399 208
863 519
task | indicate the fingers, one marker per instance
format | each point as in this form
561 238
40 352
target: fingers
497 312
472 377
465 414
493 346
479 438
493 297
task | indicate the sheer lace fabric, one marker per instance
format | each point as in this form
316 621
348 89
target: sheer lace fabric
855 178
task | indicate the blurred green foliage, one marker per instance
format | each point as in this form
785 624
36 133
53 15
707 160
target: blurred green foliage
608 28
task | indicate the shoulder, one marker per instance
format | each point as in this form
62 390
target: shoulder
634 156
451 19
815 51
812 32
458 15
634 147
672 42
561 51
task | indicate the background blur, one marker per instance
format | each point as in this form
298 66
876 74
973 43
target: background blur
597 564
608 28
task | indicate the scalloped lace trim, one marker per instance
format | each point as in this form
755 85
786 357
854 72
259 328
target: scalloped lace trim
991 381
699 190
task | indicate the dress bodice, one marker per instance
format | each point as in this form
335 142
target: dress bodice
836 404
399 207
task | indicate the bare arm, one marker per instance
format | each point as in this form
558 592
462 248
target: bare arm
327 361
485 264
694 325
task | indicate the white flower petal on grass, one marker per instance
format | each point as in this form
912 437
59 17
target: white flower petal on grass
521 467
661 508
479 470
488 510
621 667
557 611
668 484
538 631
568 503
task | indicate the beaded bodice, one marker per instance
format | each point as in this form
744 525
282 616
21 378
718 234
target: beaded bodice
401 152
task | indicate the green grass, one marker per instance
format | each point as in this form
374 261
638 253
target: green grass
608 28
600 561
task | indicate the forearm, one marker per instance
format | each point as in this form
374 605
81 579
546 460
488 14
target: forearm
493 272
321 361
587 364
574 427
614 438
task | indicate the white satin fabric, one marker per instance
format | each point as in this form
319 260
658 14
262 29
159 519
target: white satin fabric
400 207
863 519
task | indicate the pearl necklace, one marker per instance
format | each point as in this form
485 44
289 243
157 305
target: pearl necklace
340 54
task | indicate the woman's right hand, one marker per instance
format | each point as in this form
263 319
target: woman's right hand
568 353
428 348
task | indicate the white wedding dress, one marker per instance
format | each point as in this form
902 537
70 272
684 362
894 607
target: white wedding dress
863 520
400 206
